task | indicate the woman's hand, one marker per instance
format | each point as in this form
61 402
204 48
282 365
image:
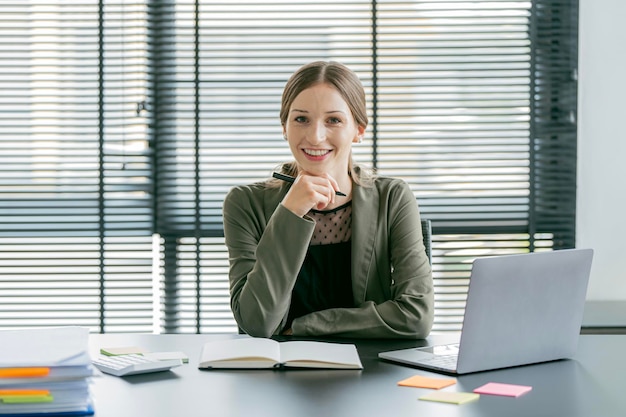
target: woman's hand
310 192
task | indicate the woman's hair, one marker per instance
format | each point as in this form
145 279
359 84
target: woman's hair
338 75
347 83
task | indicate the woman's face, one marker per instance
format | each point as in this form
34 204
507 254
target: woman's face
320 129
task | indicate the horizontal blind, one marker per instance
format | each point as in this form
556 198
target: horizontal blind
222 129
123 112
228 66
450 89
453 121
75 166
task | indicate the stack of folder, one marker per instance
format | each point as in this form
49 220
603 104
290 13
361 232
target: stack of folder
45 372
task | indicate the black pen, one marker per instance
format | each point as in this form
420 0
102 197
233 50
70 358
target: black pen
291 179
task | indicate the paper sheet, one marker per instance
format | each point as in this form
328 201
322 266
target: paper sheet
53 346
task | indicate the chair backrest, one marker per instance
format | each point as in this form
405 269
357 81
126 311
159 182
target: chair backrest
427 232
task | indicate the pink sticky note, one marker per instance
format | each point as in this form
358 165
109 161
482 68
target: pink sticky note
508 390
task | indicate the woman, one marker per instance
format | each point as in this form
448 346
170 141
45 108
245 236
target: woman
309 262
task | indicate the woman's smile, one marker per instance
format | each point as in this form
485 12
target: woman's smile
316 154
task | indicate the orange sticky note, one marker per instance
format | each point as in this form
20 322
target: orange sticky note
419 381
23 372
17 391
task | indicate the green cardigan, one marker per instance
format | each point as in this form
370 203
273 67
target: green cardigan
391 275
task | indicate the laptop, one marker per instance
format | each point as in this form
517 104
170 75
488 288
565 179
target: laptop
520 309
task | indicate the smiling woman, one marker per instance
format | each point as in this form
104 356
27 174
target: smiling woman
306 261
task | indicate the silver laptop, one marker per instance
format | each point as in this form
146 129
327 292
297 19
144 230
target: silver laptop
520 309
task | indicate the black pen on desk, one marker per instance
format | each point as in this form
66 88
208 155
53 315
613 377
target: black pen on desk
291 179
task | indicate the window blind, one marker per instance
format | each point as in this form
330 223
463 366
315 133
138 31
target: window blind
75 166
227 130
134 118
454 111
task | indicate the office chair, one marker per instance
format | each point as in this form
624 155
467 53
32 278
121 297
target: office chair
427 233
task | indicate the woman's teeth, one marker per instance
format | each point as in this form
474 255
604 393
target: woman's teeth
316 152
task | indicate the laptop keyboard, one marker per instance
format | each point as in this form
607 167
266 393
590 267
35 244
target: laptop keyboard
442 361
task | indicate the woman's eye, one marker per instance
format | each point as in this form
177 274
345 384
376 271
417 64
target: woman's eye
334 120
300 119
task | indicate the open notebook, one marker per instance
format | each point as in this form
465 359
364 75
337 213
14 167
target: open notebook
520 309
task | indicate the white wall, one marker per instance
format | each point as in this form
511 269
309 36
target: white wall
601 211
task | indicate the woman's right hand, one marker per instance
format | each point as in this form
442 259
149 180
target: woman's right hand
310 192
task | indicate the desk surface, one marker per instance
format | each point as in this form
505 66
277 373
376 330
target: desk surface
591 384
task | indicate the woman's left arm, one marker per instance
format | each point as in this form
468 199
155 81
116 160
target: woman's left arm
399 300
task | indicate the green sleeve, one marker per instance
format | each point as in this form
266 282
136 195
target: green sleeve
265 257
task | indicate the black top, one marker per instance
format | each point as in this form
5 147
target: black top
325 280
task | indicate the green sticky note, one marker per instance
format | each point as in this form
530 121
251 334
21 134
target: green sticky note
26 399
450 397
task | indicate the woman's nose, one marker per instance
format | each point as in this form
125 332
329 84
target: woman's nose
317 133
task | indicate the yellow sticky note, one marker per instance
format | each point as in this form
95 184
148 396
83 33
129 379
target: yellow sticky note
450 397
419 381
114 351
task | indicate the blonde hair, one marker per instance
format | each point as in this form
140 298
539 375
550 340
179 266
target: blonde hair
347 83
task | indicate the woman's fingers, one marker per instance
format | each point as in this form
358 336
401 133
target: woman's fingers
310 192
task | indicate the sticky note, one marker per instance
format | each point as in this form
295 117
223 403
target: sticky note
123 350
419 381
23 372
164 356
26 399
508 390
450 397
22 391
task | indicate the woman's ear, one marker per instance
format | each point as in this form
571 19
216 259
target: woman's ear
359 135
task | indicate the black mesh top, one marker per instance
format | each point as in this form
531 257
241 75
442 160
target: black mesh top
324 280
